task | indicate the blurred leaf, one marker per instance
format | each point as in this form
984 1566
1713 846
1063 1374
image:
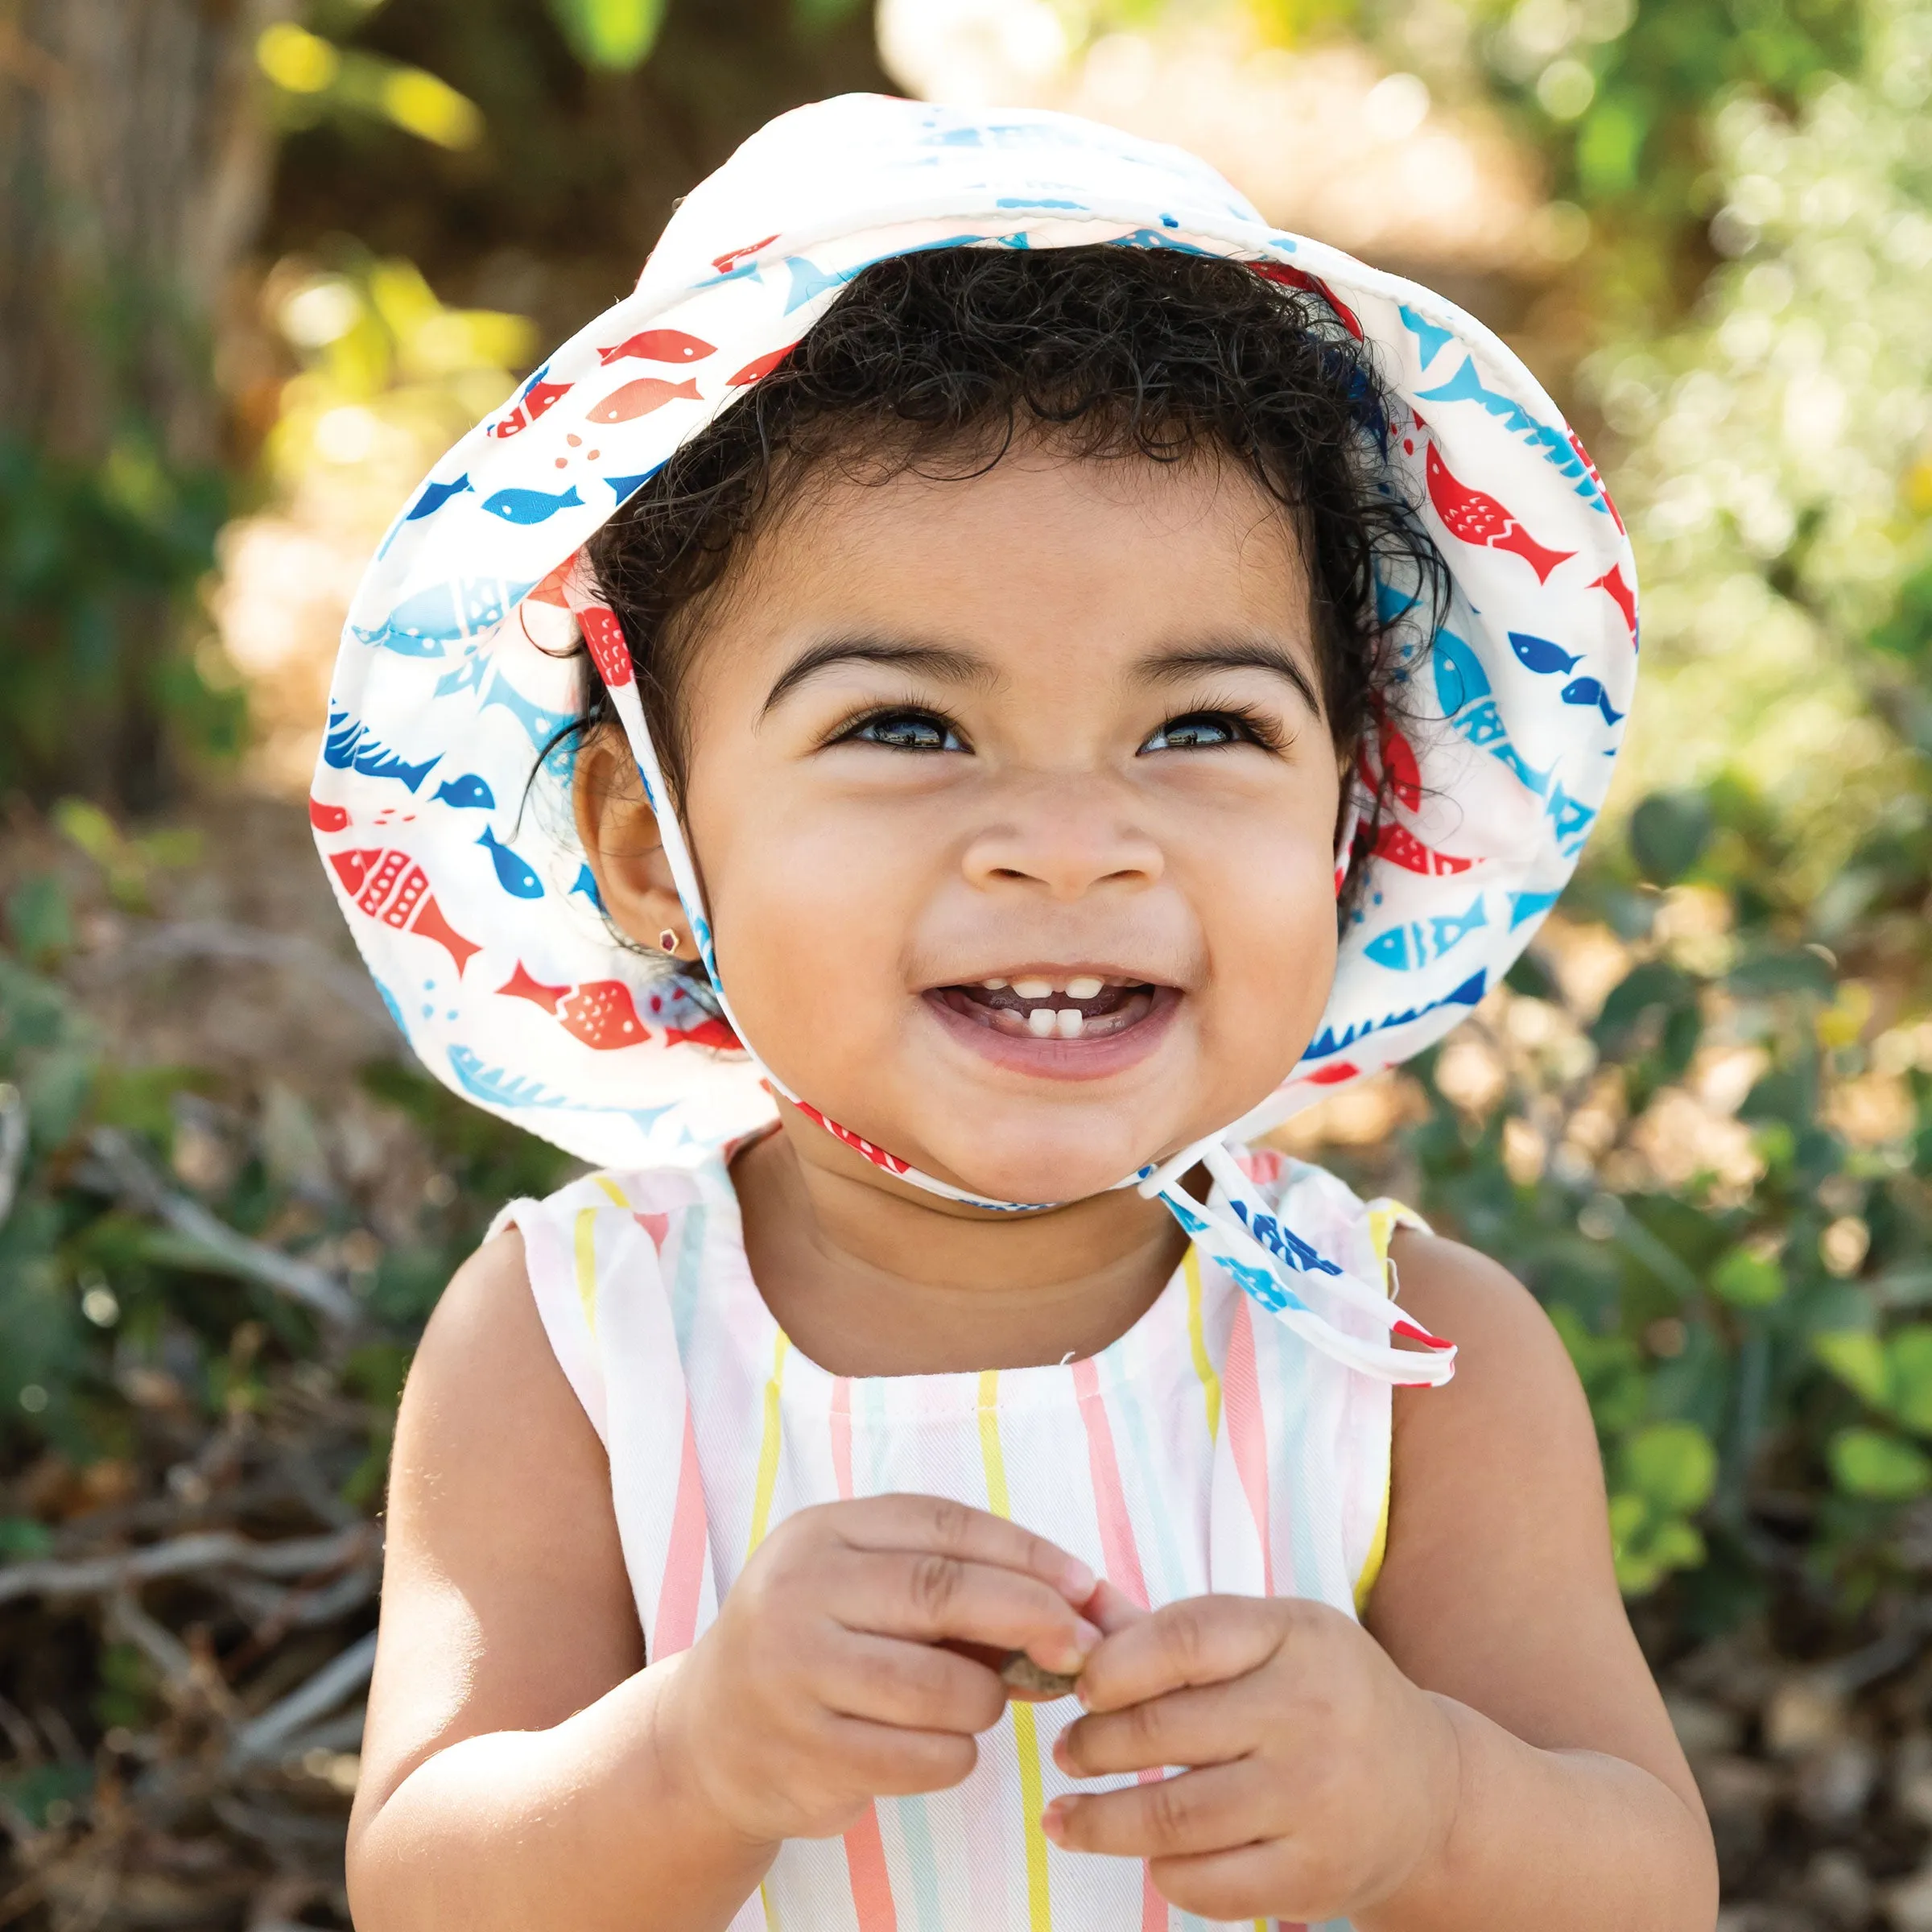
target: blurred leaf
302 62
1668 832
1671 1465
614 33
38 918
1909 1364
1748 1280
1866 1464
821 16
1857 1358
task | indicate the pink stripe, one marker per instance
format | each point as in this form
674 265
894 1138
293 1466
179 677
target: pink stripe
677 1622
1118 1553
871 1884
1241 1403
841 1436
1119 1556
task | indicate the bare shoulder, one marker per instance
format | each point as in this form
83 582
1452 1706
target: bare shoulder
501 1532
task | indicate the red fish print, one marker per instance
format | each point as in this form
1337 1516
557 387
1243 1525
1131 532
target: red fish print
707 1032
640 398
1583 456
392 887
604 636
878 1156
1613 583
550 590
725 263
326 818
656 1226
1326 1077
1475 516
598 1012
1297 278
537 400
758 370
659 345
1401 847
1404 775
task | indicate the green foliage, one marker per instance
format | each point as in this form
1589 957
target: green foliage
97 565
618 34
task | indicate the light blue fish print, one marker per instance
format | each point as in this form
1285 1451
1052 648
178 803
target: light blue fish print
539 726
1572 820
466 792
1587 691
1557 448
1526 905
531 506
1403 948
423 625
1463 689
498 1086
347 747
513 874
1428 338
586 882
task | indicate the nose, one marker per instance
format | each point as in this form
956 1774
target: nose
1067 839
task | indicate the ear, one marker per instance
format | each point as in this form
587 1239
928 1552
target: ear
621 839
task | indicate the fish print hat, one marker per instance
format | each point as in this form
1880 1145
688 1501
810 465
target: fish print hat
463 880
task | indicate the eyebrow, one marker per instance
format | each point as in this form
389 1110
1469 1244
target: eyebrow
937 661
1240 654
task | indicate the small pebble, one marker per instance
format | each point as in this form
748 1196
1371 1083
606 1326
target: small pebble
1021 1673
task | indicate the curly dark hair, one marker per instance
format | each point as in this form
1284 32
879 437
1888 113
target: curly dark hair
947 357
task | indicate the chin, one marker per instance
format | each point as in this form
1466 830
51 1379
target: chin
1046 1167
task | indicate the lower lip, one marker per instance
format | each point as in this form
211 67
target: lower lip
1055 1059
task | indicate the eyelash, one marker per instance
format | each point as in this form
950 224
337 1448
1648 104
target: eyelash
1249 726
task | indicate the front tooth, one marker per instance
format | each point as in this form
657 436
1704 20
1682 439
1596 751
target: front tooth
1084 988
1032 990
1070 1021
1040 1022
992 986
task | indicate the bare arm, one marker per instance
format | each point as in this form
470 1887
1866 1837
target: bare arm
1496 1757
510 1776
524 1770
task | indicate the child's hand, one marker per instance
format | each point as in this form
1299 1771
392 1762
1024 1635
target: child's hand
1326 1777
826 1680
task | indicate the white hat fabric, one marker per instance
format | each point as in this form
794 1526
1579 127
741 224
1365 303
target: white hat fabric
462 879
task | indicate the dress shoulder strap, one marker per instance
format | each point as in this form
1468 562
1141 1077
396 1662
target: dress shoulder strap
595 1252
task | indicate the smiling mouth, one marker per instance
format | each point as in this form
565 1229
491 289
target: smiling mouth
1061 1006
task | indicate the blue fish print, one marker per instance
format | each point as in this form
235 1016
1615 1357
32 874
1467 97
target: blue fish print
1039 201
1587 691
624 487
434 495
1327 1042
467 676
1428 338
466 792
1540 655
1284 1243
423 625
586 882
1463 689
1403 948
347 747
1466 385
531 506
1526 905
513 874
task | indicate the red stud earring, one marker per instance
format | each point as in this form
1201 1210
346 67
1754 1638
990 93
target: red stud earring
668 941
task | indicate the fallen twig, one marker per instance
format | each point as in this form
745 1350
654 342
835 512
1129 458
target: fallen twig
182 1556
340 1678
130 1176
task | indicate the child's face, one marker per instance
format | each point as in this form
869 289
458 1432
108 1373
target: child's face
1053 726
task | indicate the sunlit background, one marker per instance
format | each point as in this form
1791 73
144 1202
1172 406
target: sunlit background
262 263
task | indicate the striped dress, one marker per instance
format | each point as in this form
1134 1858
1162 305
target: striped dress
1207 1449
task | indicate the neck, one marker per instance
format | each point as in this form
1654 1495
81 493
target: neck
869 1277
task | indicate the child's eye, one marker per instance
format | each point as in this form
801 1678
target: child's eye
1208 730
904 731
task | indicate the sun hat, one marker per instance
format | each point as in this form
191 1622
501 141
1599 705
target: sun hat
462 878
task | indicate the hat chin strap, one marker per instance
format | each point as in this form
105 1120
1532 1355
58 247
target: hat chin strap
1349 1319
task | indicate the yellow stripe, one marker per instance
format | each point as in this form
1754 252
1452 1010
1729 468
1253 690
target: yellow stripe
768 1448
771 1911
587 1266
1384 1217
1025 1734
1210 1382
611 1188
